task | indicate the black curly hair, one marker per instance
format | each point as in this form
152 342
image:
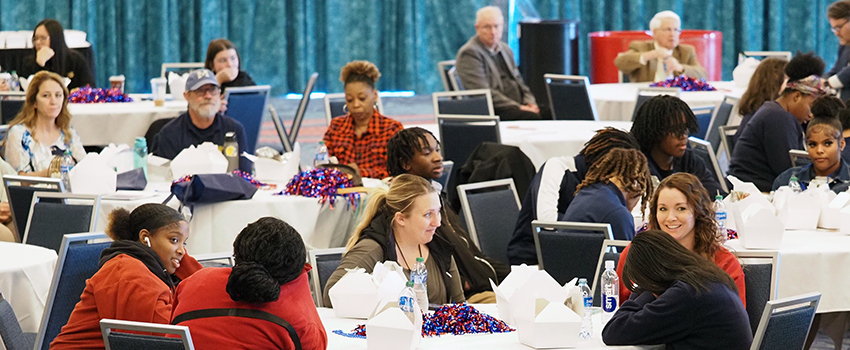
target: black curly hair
402 147
827 106
604 141
660 116
268 253
803 65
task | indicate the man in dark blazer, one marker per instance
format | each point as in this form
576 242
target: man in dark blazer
485 62
838 14
662 57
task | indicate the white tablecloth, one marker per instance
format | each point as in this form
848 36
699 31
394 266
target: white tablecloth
213 227
813 261
470 341
544 139
102 123
617 101
25 275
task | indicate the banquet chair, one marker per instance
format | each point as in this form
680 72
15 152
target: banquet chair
9 109
324 262
760 281
443 68
490 210
466 102
10 330
334 105
785 55
49 220
153 129
115 340
220 259
646 93
567 249
78 261
460 134
611 250
281 130
785 322
447 170
727 138
569 97
703 149
705 116
799 158
182 67
247 104
454 79
721 117
302 108
19 191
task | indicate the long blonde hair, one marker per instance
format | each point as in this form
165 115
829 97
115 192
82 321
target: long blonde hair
28 115
403 191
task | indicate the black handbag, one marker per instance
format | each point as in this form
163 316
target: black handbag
211 188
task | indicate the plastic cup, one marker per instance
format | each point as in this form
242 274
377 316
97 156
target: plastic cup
158 90
117 82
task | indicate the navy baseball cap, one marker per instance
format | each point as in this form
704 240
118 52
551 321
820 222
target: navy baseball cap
200 78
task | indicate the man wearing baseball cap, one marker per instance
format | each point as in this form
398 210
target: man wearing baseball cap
202 123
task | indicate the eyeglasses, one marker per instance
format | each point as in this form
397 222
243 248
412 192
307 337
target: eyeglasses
213 90
836 29
36 38
669 30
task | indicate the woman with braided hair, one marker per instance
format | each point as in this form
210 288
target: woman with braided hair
359 138
661 127
610 191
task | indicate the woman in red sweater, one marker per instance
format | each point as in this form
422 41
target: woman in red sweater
682 208
270 278
137 274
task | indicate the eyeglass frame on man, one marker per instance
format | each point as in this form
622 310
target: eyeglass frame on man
837 29
203 90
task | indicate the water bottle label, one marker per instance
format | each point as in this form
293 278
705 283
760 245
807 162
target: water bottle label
588 301
720 216
406 304
609 303
65 168
420 279
230 151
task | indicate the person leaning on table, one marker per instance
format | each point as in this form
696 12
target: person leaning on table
662 57
50 53
399 225
683 300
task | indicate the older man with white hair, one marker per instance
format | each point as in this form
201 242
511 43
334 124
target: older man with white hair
662 57
485 62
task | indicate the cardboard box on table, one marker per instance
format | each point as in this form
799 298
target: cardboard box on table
841 204
358 294
554 325
159 169
758 227
204 159
798 211
391 329
93 176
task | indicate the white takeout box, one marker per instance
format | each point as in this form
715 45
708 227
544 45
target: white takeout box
390 329
505 290
754 196
93 176
204 159
845 220
540 285
830 214
554 325
159 169
841 204
800 210
118 157
177 83
355 295
758 227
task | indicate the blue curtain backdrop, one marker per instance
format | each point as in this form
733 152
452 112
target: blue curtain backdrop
282 41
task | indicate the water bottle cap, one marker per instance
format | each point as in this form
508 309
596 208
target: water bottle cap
420 259
141 141
582 281
321 142
609 264
409 284
793 178
718 197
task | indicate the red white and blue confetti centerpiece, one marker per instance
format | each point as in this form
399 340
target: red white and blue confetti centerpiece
685 83
88 94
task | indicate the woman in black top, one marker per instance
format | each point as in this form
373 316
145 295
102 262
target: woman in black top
51 53
223 60
679 299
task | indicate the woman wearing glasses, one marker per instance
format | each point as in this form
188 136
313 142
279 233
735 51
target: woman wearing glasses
838 14
50 53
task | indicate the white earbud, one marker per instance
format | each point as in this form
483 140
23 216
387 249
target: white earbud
148 241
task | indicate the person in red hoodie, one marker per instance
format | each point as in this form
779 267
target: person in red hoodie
269 278
136 276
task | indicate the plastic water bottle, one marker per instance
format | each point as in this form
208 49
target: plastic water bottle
65 167
231 151
419 277
586 322
794 184
140 155
720 215
406 300
15 84
321 155
610 291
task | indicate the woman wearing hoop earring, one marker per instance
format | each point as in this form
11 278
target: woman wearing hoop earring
359 138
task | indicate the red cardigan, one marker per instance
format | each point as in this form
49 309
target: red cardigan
122 289
206 290
725 260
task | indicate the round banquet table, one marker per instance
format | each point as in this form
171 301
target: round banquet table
100 124
617 101
481 341
26 272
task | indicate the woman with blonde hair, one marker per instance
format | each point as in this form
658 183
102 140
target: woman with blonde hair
42 125
399 225
359 138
